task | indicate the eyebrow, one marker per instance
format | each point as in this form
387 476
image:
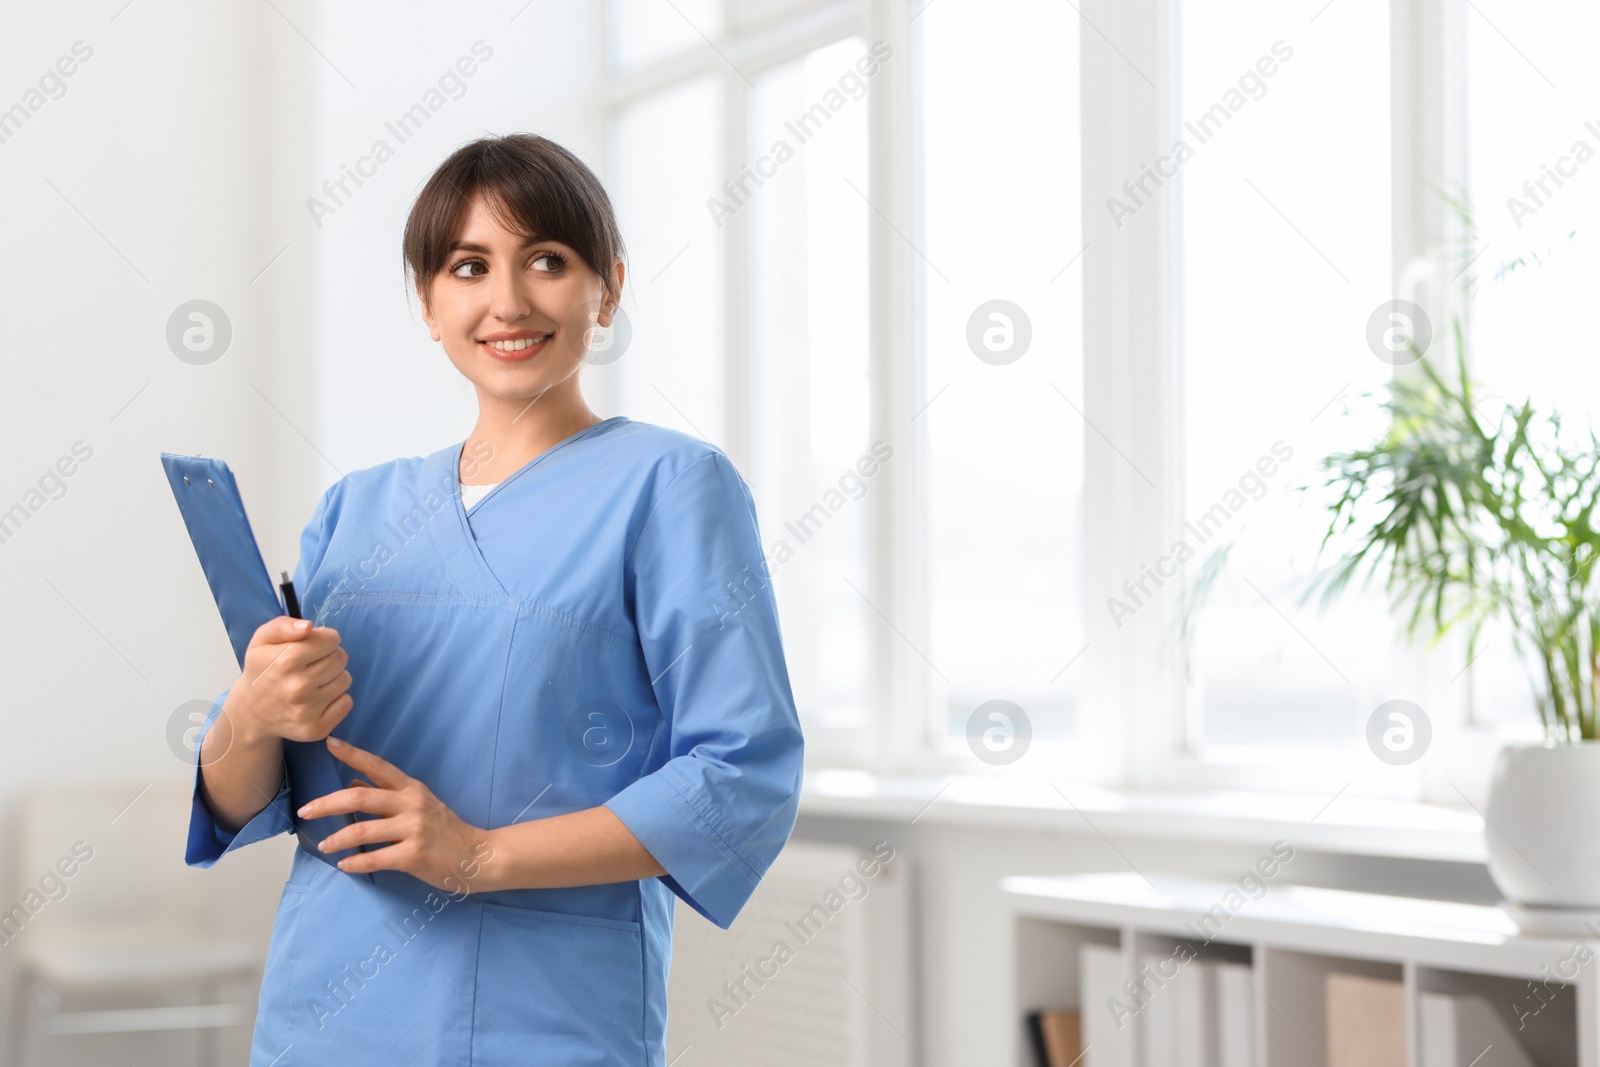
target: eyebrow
468 246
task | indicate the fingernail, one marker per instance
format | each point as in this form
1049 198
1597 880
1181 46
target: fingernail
302 811
322 846
301 624
334 742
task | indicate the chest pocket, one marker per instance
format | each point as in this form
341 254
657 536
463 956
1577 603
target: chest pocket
577 721
558 988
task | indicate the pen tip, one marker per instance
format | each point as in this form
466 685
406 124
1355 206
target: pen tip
285 575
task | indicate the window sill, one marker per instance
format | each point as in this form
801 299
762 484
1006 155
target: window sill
1343 824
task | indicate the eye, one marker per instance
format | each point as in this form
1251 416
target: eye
465 263
557 258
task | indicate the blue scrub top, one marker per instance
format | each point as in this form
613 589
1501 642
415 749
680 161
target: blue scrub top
599 629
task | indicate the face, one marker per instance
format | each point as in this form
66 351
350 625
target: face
513 313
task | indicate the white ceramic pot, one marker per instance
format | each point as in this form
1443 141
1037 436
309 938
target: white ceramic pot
1544 825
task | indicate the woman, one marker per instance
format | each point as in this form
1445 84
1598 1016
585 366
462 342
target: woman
563 683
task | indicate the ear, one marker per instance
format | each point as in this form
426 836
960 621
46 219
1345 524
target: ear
427 315
608 304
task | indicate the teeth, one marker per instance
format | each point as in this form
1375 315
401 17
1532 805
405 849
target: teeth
515 346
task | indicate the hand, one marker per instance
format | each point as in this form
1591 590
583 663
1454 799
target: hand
293 685
430 841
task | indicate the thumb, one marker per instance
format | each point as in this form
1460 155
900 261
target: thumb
283 628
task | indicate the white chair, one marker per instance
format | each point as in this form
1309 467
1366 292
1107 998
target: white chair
107 913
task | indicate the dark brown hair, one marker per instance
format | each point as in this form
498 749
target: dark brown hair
532 185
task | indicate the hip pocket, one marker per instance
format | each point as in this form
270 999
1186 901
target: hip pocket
273 1035
304 870
558 988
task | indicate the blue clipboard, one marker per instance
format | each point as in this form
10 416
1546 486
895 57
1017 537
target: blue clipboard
213 510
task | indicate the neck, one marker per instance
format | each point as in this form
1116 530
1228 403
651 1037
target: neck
518 429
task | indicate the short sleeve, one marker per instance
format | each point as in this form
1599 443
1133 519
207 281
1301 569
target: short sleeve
208 842
722 806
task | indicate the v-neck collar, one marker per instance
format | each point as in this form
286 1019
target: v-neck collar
451 460
455 461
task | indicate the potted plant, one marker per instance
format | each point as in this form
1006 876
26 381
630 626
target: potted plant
1474 510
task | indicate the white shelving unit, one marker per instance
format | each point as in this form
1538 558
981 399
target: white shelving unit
1293 937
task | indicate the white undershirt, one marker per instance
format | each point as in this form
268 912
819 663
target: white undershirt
471 494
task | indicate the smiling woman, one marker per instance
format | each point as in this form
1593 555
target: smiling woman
557 723
500 244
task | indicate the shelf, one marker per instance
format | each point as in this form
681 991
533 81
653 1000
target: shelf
1293 937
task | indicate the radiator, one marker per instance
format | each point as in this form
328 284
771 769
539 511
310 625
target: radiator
815 971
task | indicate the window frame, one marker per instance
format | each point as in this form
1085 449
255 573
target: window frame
752 42
1132 393
1427 143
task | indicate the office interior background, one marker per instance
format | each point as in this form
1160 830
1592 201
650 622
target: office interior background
1047 334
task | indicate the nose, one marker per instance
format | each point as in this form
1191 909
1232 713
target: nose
508 299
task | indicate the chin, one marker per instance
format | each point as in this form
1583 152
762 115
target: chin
522 388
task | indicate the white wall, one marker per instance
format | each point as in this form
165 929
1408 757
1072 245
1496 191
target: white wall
135 190
176 164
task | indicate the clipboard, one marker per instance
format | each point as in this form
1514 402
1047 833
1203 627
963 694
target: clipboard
212 509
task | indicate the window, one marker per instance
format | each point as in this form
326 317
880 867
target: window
1530 147
1000 364
1531 88
809 304
739 161
990 605
673 371
920 258
641 32
1285 216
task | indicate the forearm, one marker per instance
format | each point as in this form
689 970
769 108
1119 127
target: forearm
239 773
589 847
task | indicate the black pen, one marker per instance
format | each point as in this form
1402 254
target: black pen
291 603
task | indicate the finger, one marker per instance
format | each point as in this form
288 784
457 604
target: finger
326 665
365 832
334 712
333 685
329 667
357 782
380 770
387 858
282 650
315 645
298 653
281 628
356 798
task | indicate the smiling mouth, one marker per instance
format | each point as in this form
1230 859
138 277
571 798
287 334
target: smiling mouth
520 349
